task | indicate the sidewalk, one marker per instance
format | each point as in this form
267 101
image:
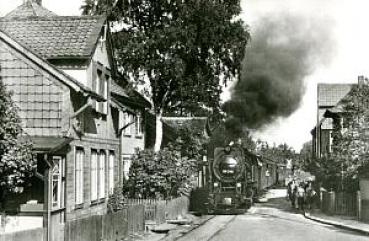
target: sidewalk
344 222
166 231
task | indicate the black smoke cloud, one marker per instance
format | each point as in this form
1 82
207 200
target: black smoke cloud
284 49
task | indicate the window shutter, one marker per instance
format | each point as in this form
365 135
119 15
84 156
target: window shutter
106 93
133 119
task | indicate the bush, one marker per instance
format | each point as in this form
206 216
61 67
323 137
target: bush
164 174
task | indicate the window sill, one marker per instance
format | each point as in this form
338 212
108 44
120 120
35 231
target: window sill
100 114
127 135
139 136
94 202
78 206
57 210
97 201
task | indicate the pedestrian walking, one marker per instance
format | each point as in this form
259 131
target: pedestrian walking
300 196
310 195
292 192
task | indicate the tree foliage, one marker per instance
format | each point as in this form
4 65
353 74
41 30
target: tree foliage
171 171
184 48
16 160
340 169
164 174
279 153
350 146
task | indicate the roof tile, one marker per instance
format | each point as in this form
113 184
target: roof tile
116 89
330 94
56 36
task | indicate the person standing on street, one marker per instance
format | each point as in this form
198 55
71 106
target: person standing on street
301 196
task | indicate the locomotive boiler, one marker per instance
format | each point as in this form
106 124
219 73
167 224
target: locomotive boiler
230 190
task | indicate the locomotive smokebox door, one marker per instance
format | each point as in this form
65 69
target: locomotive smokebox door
228 164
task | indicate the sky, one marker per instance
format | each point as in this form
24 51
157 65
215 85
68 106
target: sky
347 22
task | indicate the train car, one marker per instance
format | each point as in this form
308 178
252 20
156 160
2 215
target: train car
230 185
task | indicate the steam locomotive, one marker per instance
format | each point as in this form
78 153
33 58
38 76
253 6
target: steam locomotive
230 185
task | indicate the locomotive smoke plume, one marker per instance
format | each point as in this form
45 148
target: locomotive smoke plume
282 52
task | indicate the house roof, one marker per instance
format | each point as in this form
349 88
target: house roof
54 37
131 96
329 98
330 94
116 89
195 123
118 104
30 9
61 75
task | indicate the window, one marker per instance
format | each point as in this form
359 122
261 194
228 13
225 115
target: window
125 122
94 175
111 171
131 120
105 94
132 126
138 125
100 86
102 161
58 182
126 165
79 159
98 89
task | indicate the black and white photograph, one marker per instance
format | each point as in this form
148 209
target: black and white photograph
184 120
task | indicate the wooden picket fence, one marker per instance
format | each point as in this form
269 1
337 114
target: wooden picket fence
161 210
339 203
111 226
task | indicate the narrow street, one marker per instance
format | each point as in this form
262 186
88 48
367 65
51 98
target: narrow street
274 220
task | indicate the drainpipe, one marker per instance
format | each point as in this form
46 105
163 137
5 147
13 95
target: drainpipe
47 198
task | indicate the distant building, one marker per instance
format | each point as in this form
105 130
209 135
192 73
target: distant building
328 97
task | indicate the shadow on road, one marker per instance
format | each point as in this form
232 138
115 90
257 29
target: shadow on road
277 198
280 204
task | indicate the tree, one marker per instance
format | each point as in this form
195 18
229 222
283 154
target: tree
339 170
279 153
184 48
350 146
16 160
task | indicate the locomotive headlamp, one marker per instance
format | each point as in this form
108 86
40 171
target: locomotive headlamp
238 184
227 149
216 184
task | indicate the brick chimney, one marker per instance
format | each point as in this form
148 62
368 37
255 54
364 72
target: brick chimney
362 80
